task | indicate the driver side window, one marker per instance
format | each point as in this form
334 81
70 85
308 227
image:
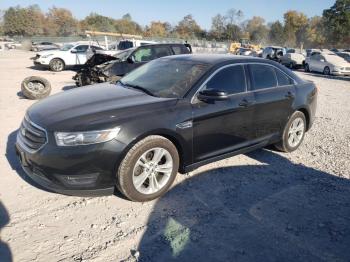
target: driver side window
143 55
81 48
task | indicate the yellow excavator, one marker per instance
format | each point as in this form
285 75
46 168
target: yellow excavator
243 43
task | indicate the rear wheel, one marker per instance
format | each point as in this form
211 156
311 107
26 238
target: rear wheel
56 65
293 133
148 169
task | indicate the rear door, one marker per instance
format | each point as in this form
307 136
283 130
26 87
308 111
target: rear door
221 127
274 94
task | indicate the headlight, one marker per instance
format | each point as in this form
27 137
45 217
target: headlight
85 138
337 68
46 56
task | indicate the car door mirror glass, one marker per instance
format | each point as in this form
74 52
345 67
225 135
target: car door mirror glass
212 95
73 51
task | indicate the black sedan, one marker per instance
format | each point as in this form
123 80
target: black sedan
171 115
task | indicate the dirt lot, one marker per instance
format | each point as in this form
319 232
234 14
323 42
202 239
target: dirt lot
263 206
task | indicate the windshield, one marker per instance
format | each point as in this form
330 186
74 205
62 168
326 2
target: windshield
66 47
124 55
166 77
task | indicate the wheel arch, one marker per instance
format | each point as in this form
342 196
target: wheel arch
307 116
185 155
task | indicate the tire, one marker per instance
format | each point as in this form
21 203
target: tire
326 71
307 68
56 65
287 143
291 65
131 173
35 87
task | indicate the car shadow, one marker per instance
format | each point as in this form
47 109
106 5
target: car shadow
13 160
274 211
5 251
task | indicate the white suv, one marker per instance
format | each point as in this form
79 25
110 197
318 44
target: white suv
68 55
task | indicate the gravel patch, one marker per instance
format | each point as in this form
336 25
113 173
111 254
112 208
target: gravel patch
262 206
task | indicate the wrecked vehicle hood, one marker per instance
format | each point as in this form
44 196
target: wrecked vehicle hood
93 107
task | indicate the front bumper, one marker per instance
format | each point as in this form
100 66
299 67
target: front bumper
82 171
341 73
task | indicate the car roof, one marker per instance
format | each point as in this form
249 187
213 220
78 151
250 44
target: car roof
213 59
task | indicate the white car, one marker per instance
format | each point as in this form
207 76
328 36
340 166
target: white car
327 63
293 58
68 55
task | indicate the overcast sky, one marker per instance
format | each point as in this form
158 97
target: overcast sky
144 11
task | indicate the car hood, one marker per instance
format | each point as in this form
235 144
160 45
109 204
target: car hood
94 107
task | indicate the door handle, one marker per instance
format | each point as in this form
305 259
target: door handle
290 95
244 103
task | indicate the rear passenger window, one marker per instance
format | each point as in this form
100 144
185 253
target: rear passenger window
263 76
282 79
178 50
162 51
230 80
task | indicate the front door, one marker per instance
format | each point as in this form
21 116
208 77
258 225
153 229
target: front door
221 127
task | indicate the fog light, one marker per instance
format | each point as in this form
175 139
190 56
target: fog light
81 180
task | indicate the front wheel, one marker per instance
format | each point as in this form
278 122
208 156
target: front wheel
56 65
148 169
293 133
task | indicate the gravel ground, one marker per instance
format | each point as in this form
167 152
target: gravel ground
262 206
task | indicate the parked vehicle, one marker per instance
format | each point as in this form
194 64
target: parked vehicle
293 59
68 55
273 53
171 115
13 45
327 63
345 55
41 46
103 68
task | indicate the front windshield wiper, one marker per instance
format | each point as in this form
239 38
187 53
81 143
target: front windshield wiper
137 87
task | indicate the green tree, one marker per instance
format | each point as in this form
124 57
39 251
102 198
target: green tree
188 28
295 24
337 23
158 28
276 33
218 27
127 26
60 22
257 29
315 32
97 22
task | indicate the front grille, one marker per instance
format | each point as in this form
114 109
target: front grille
31 136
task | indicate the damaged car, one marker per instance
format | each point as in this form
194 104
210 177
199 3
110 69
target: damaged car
107 68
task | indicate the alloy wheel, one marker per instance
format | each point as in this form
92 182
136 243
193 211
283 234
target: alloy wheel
152 170
296 132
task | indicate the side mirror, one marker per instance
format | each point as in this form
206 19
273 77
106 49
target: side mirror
212 95
73 51
322 60
130 59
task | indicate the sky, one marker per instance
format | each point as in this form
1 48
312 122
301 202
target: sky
145 11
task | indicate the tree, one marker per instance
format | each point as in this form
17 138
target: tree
127 26
258 31
97 22
158 28
218 27
60 22
295 24
23 21
276 33
315 32
337 23
188 28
